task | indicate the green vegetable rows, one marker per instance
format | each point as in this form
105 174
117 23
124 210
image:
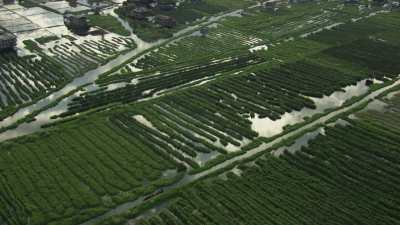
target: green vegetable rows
349 175
68 178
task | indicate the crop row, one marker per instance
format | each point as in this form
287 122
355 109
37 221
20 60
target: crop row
151 85
12 211
216 43
28 78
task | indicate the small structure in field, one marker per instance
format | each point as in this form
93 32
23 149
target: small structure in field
139 13
7 40
166 5
204 31
351 2
271 5
165 21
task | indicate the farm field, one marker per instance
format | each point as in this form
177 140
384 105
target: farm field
48 56
255 27
315 54
140 143
230 108
188 12
25 79
347 174
69 175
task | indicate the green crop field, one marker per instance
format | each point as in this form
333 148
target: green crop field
108 23
255 27
26 79
214 105
69 175
171 135
348 175
188 12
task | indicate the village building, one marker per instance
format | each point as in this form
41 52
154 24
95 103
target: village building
165 21
78 24
7 40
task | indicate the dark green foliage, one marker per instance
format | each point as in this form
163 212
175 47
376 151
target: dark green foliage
46 39
12 211
74 174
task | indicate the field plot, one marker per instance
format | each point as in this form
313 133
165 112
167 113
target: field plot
228 101
13 211
255 28
28 78
19 19
348 175
64 6
188 12
141 131
24 79
155 83
67 178
46 65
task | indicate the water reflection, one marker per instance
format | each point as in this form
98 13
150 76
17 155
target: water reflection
203 158
268 128
299 143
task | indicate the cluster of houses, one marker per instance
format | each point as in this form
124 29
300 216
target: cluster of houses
151 10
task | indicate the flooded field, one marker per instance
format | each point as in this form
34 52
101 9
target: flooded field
268 128
18 19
